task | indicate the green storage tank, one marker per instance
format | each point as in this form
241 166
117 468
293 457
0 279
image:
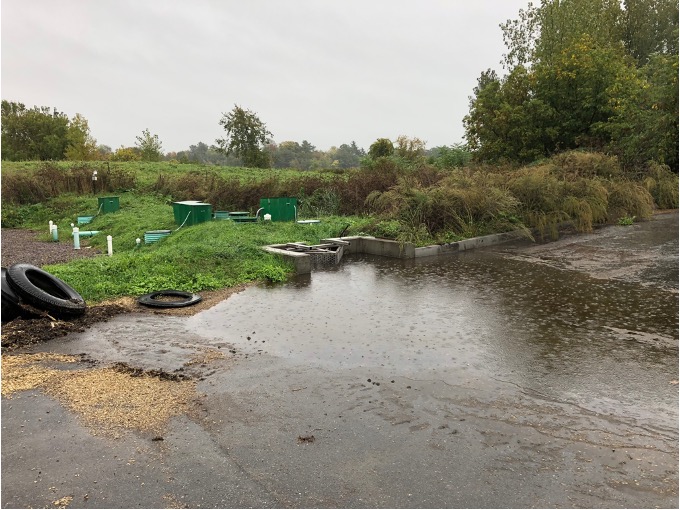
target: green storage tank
191 212
108 204
281 208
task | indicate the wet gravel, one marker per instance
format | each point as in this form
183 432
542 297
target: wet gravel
26 247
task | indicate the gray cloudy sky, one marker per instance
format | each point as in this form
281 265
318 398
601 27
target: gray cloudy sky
324 71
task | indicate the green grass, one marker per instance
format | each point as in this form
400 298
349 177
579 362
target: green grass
208 256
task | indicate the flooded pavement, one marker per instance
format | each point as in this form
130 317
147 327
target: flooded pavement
521 375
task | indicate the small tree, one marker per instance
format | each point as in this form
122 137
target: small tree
81 146
246 137
126 154
149 146
380 148
410 149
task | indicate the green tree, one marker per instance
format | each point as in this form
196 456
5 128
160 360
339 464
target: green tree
382 147
81 145
506 123
285 154
38 133
126 154
306 156
455 156
410 149
650 27
349 156
246 137
573 83
644 126
150 147
542 31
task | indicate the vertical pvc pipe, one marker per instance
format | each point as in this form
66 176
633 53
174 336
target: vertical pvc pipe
51 226
55 233
76 238
109 244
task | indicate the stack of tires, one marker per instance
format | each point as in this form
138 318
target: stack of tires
25 284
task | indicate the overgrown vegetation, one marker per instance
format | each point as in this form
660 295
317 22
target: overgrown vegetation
593 74
429 203
391 196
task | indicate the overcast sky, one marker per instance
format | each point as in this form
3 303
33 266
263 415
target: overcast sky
329 72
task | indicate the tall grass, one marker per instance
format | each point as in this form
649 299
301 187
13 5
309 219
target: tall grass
662 184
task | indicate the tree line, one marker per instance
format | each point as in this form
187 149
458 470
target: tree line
598 75
43 133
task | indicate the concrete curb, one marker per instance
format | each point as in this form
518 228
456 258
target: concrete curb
394 249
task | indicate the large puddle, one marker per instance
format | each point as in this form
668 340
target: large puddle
604 343
589 320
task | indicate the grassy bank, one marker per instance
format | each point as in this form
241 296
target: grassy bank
208 256
388 197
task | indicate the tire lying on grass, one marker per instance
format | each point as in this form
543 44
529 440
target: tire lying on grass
158 299
45 291
11 304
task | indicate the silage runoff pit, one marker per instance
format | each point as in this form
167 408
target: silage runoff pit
108 400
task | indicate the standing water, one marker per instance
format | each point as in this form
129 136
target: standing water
581 323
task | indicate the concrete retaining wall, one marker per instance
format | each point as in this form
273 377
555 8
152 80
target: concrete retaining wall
394 249
301 261
375 246
466 244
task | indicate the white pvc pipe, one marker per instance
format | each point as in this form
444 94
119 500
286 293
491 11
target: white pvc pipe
109 244
76 238
51 227
55 233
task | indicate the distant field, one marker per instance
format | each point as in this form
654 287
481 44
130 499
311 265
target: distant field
147 173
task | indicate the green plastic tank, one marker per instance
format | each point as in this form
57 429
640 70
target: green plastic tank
108 204
281 208
191 212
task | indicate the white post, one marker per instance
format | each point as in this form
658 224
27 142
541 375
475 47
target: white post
76 238
51 226
109 243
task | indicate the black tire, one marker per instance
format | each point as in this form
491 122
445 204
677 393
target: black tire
11 304
185 299
45 291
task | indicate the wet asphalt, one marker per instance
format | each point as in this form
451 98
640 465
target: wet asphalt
497 397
